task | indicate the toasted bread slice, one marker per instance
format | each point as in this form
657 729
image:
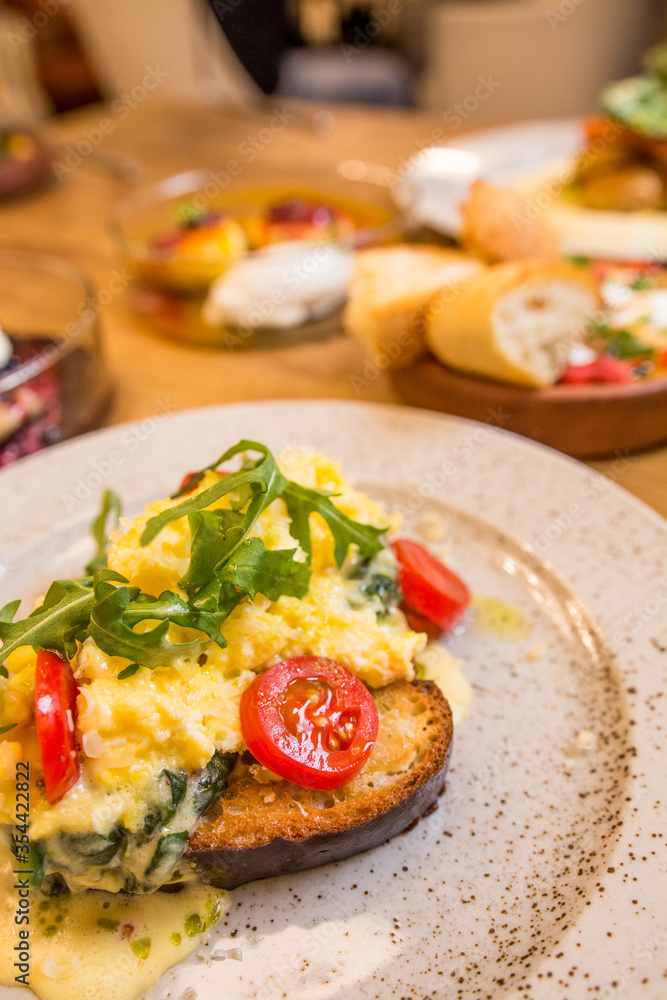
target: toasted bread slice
389 290
263 826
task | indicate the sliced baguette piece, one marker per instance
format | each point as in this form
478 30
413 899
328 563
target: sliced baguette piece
514 321
263 826
389 289
498 225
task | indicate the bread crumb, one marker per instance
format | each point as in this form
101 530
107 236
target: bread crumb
263 775
189 994
537 652
432 527
270 797
587 741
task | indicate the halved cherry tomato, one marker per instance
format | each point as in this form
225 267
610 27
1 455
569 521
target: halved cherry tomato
55 716
605 368
420 623
185 481
601 127
429 587
186 488
310 720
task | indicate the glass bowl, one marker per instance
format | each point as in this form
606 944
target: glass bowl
272 256
53 383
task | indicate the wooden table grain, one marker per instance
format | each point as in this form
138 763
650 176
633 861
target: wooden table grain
70 217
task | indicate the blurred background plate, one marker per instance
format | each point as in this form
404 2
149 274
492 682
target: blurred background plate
437 179
535 157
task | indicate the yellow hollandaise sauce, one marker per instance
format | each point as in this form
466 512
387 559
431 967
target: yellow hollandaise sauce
99 945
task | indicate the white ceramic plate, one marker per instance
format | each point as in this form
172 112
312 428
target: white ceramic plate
537 158
539 876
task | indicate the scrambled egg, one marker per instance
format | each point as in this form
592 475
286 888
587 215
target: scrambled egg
179 714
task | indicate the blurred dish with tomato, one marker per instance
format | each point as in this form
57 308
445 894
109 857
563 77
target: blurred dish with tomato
215 263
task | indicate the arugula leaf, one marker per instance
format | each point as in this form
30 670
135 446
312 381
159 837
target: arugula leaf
272 572
225 566
624 344
64 613
128 671
117 610
111 504
265 475
213 535
301 502
5 729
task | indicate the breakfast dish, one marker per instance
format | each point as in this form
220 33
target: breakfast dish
622 165
536 159
547 701
211 260
49 390
231 692
30 414
571 350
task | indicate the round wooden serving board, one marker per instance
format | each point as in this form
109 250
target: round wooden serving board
586 421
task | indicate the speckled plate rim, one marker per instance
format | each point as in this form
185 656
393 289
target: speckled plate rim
610 547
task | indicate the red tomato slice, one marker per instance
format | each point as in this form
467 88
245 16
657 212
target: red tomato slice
420 623
185 486
55 708
604 368
429 588
310 720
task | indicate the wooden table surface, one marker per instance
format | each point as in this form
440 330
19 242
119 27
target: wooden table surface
71 218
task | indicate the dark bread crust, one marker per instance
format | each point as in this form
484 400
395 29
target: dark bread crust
258 829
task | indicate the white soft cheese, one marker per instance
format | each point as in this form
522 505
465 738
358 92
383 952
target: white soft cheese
649 306
282 285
